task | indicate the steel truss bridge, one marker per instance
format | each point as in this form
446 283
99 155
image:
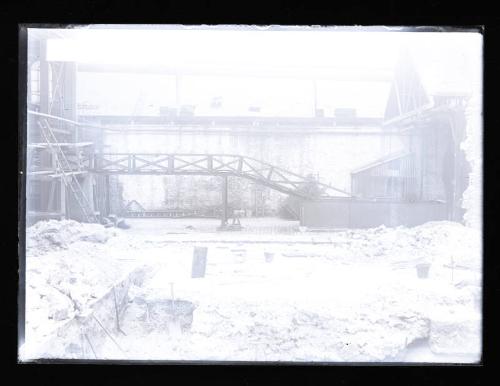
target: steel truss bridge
222 165
70 160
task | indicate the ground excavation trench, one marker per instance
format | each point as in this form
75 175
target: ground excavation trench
152 326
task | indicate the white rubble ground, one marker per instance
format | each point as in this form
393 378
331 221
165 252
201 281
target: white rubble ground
350 295
66 269
51 235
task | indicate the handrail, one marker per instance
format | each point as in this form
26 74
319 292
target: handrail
270 167
83 125
267 164
53 117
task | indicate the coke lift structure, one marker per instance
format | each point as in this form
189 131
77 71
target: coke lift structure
68 171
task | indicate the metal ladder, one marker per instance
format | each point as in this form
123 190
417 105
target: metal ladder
70 180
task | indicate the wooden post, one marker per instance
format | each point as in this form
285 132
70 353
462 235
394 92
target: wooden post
199 262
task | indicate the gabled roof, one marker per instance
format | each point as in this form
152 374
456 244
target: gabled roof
407 91
424 72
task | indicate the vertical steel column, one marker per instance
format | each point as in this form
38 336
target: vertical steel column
52 193
68 92
44 78
46 158
62 199
224 202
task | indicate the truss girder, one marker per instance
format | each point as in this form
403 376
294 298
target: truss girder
209 164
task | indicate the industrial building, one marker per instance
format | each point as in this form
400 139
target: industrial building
93 142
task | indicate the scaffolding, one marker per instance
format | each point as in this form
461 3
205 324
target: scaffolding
58 171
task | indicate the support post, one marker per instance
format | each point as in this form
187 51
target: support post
68 91
224 202
63 199
106 187
44 78
50 204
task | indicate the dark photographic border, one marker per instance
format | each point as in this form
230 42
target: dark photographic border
437 13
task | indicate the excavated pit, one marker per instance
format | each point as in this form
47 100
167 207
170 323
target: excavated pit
168 316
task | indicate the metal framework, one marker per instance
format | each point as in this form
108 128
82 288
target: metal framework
211 164
54 166
64 168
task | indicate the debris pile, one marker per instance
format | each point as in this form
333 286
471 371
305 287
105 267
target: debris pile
69 287
436 242
51 235
65 272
